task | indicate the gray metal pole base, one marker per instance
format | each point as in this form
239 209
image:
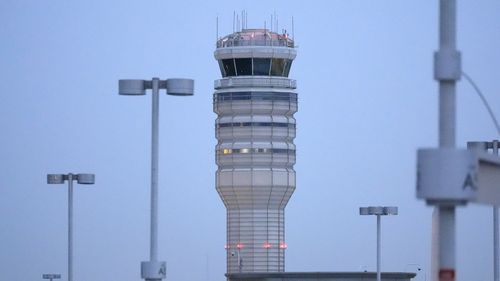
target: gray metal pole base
153 270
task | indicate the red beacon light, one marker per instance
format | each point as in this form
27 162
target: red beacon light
239 246
267 245
283 246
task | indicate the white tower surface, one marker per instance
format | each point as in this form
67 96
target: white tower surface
255 102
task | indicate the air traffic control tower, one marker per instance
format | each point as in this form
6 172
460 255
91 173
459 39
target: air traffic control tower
255 102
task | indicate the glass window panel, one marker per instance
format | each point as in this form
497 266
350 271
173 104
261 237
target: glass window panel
287 68
221 66
261 66
277 67
244 66
229 67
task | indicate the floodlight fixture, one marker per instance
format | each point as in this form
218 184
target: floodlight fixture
131 87
51 276
55 178
173 86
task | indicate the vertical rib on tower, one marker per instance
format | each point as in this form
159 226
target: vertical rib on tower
255 154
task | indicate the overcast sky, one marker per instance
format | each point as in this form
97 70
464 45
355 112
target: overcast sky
367 101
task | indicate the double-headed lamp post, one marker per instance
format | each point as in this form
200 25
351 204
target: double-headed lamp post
378 211
154 269
86 179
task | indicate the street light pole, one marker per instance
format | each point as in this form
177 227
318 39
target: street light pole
155 115
86 179
70 227
447 71
378 249
154 269
378 211
495 228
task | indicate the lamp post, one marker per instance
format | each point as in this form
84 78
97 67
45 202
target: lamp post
154 269
378 211
86 179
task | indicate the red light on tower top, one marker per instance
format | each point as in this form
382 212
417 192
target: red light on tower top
283 245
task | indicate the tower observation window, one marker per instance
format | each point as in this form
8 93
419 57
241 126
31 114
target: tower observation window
255 66
288 65
243 66
261 66
228 67
278 67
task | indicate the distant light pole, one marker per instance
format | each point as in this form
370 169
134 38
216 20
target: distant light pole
154 269
60 179
51 276
378 211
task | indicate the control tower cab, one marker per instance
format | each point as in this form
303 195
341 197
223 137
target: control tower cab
255 128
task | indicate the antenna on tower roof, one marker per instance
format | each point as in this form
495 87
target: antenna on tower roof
234 17
216 28
246 19
277 25
265 34
242 19
271 23
293 30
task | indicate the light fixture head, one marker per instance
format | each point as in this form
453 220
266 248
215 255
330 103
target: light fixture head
378 210
363 211
51 276
180 87
390 210
55 178
131 87
85 178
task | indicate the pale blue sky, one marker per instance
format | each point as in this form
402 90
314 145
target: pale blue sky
367 101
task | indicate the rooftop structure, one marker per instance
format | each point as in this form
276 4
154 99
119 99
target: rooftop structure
321 276
255 37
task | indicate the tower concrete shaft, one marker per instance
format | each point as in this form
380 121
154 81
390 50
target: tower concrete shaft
255 128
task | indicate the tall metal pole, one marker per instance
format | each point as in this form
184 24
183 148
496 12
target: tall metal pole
155 112
447 72
70 227
378 249
495 229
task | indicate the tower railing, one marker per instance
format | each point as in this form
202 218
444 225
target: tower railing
285 42
252 81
